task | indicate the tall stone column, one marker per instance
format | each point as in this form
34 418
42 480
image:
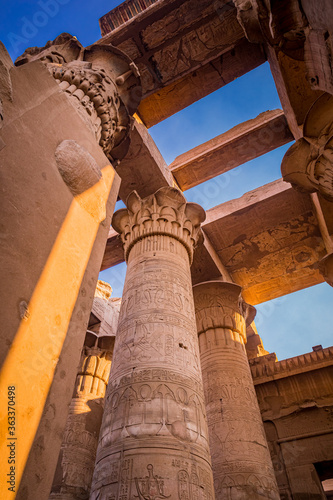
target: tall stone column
154 437
241 460
76 460
64 122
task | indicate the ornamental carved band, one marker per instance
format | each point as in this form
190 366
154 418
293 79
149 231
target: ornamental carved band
154 437
101 82
241 460
164 213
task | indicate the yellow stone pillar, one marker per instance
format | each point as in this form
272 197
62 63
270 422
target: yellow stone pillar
241 460
154 436
64 123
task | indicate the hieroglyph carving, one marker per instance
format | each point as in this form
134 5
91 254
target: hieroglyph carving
154 409
240 457
101 82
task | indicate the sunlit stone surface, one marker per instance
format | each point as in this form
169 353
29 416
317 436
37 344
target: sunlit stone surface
154 438
240 457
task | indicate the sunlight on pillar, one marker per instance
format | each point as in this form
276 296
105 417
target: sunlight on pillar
34 354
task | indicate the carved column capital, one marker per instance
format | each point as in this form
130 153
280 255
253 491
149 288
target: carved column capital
101 82
308 164
164 213
219 304
94 368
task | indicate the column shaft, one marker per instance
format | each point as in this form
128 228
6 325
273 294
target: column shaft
77 456
154 437
241 461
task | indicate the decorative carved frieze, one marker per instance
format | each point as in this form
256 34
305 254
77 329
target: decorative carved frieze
102 83
308 164
267 368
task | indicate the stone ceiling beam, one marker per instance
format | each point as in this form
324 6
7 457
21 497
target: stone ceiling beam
322 222
114 253
184 50
242 143
208 78
143 169
268 241
292 103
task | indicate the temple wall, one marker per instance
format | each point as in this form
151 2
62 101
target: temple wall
296 403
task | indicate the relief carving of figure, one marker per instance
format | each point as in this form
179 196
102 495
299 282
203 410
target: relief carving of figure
150 487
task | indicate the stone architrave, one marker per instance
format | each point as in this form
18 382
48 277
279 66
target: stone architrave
154 437
241 460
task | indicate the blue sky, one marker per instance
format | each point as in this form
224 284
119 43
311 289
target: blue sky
289 325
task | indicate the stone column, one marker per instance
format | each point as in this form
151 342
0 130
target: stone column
77 456
154 437
64 122
241 460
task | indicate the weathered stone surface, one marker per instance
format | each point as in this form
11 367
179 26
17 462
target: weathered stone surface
6 91
60 204
326 268
238 145
77 456
182 61
295 399
51 254
143 169
154 440
269 242
240 457
254 345
233 63
308 164
101 82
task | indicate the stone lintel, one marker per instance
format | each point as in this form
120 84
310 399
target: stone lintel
238 145
143 169
224 69
275 217
147 38
269 241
